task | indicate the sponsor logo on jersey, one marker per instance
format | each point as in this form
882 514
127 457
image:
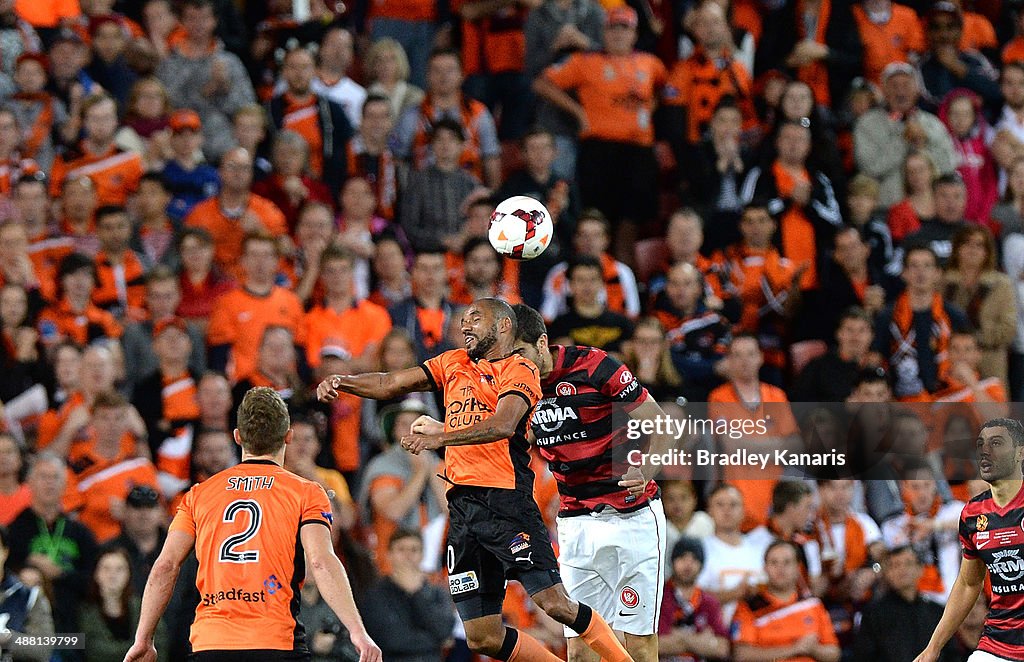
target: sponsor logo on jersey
463 583
235 594
272 584
982 523
548 416
520 542
626 377
629 597
1008 565
565 388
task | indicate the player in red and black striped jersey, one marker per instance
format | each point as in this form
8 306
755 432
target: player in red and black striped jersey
992 537
611 527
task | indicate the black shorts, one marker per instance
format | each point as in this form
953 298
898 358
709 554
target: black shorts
495 535
251 656
620 179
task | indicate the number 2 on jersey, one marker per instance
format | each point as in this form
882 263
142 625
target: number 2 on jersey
228 553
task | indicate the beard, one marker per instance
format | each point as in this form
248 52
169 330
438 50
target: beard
484 345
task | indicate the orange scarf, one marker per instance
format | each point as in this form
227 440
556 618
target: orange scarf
796 229
904 341
854 542
816 73
931 579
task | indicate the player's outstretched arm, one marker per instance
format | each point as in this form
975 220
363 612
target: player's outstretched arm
501 424
376 385
965 593
332 581
158 591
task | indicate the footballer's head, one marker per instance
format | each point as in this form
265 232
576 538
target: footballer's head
489 327
1000 449
264 426
532 337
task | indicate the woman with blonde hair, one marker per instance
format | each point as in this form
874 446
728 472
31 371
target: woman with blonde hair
905 217
976 286
388 68
647 354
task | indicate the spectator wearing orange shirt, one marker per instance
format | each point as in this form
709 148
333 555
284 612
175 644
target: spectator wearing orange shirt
116 172
481 275
15 495
342 318
712 72
74 317
890 32
240 316
427 313
320 121
121 271
235 211
43 14
779 623
815 40
17 267
618 91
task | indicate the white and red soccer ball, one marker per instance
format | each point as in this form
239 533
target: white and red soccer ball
520 228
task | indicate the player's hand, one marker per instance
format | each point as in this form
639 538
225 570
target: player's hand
415 443
927 655
368 650
427 425
327 391
634 482
141 652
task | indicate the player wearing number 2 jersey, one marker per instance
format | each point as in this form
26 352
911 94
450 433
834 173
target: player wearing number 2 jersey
254 528
992 538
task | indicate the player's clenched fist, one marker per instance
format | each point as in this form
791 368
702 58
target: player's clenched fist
327 391
141 652
427 425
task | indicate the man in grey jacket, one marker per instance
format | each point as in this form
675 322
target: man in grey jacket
883 137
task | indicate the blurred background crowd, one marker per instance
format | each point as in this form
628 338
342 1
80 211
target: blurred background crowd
756 202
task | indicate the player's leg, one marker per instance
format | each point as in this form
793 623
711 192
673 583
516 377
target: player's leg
641 580
583 558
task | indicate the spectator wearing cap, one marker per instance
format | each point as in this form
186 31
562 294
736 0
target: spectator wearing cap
201 75
901 602
433 200
320 121
143 529
690 626
890 32
937 233
778 621
189 180
342 318
883 137
400 490
162 298
43 536
115 171
68 80
110 35
241 316
77 214
39 114
236 211
120 271
815 43
617 170
167 399
480 152
945 66
74 317
831 378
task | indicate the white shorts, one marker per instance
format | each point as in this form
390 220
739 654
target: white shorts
614 563
985 656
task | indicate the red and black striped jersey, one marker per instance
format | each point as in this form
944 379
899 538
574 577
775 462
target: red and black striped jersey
996 536
575 432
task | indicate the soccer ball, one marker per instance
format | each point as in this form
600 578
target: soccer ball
520 228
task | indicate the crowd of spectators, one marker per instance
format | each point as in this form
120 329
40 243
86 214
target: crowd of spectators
809 212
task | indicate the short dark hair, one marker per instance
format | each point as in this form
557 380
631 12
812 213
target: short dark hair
444 51
948 179
534 131
787 493
474 243
201 234
530 324
448 124
916 247
402 534
902 549
1012 426
109 210
500 310
262 421
5 537
154 177
784 543
582 262
856 313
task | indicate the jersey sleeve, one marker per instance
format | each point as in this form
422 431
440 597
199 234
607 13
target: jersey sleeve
826 631
970 550
743 630
435 369
567 74
316 507
618 382
184 519
520 377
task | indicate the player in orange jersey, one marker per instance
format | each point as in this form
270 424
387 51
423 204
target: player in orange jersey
496 531
254 527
